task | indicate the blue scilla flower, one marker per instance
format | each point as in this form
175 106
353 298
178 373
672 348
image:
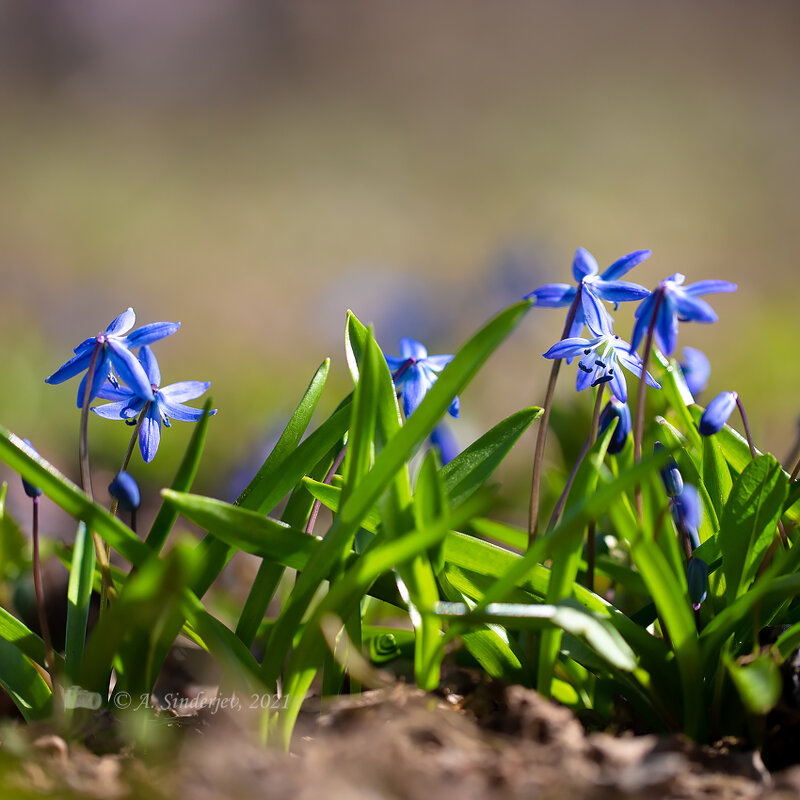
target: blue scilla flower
116 345
442 438
677 303
697 582
717 413
600 361
595 287
125 490
614 409
414 372
687 511
167 404
670 474
696 369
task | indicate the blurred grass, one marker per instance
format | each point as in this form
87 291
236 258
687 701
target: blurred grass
417 142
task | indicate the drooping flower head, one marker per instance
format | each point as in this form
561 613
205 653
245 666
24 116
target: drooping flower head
671 476
696 369
717 413
697 582
125 490
600 360
31 490
167 404
594 286
115 345
687 511
675 303
414 372
615 409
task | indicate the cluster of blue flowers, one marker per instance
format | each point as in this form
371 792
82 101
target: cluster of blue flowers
134 384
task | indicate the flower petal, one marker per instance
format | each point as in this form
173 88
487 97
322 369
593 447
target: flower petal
618 385
148 334
181 412
100 376
123 323
414 390
696 369
693 308
633 364
717 413
455 407
86 344
110 392
583 379
622 265
395 362
150 434
150 366
411 348
568 348
438 363
111 410
76 364
552 295
584 264
184 390
710 287
129 369
619 291
667 326
598 320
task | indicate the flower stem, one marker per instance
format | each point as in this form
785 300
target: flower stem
49 658
746 425
541 435
337 462
592 526
638 423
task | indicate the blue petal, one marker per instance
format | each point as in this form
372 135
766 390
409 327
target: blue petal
411 348
150 434
667 326
395 362
619 291
181 412
150 366
622 265
100 376
568 348
184 390
438 363
619 386
583 380
414 390
86 344
148 334
110 392
584 264
688 507
111 410
710 287
443 438
717 413
76 364
129 369
692 308
122 324
455 407
125 490
697 582
598 320
633 364
553 295
696 369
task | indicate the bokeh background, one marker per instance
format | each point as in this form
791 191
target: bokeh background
254 169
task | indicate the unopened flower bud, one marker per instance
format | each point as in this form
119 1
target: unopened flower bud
717 413
125 491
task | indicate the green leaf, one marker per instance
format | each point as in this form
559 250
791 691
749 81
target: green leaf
758 682
24 639
79 594
12 542
749 521
716 475
24 683
473 466
182 482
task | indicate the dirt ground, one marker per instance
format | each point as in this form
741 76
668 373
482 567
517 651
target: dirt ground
497 743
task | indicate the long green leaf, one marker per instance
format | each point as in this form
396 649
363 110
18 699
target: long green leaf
79 594
24 683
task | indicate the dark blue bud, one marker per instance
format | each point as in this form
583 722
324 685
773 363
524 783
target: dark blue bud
615 409
125 491
697 580
717 413
687 511
670 475
696 369
30 490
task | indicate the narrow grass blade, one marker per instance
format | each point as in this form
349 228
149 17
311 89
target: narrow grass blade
79 594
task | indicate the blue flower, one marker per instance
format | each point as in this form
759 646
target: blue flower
600 360
116 345
670 475
614 409
31 490
717 413
687 511
414 372
596 287
166 405
125 490
678 303
696 369
697 582
442 438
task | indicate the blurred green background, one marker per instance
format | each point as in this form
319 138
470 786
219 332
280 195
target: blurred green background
255 169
